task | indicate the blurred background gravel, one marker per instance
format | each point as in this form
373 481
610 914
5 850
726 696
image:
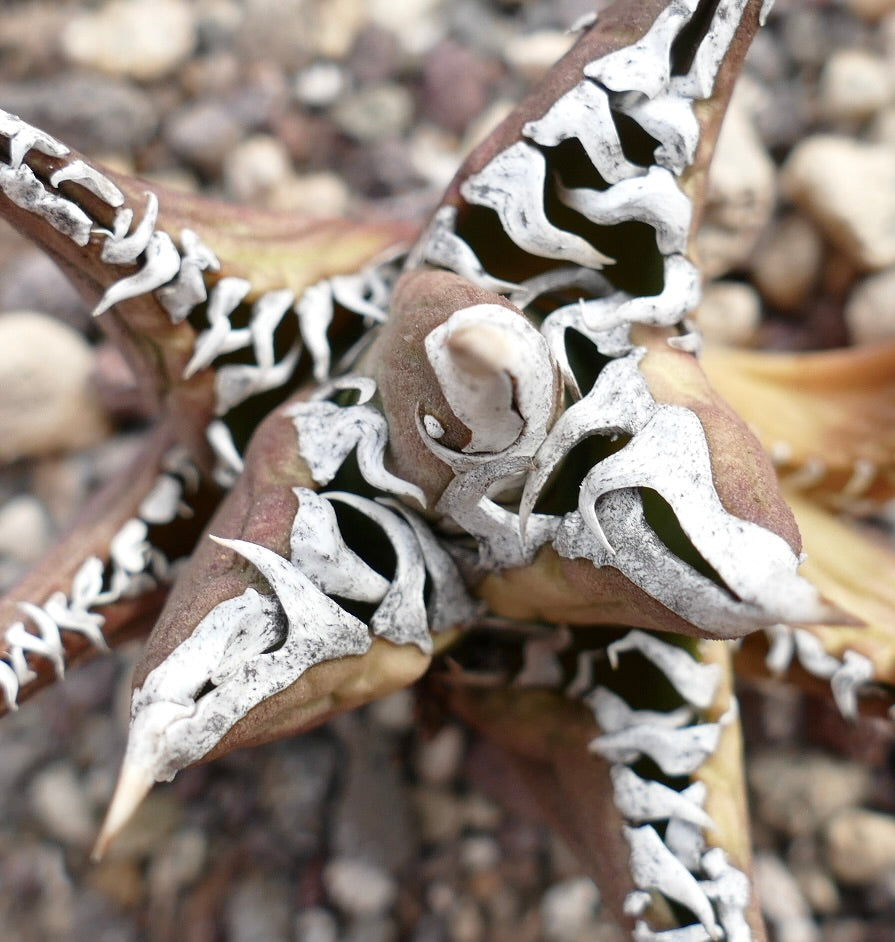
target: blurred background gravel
382 827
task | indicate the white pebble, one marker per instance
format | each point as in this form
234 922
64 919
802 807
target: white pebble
358 888
48 403
729 313
860 845
854 85
848 188
869 312
787 262
144 41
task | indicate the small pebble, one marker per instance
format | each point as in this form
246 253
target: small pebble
316 925
25 529
48 402
854 85
848 188
860 845
320 85
532 54
374 112
62 807
869 312
782 902
255 167
787 262
258 910
438 759
729 313
871 10
316 194
799 796
131 38
567 907
358 888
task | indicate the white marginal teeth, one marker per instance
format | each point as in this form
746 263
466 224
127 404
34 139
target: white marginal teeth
161 265
613 714
314 310
640 800
512 184
23 188
654 199
23 137
694 681
855 671
327 434
584 113
694 933
654 867
121 249
675 751
401 616
645 65
91 179
318 549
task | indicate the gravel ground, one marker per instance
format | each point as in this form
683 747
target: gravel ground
385 825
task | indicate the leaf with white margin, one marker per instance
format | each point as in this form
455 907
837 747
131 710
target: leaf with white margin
694 681
654 199
644 559
640 800
671 455
495 371
675 751
654 867
319 551
327 433
619 401
613 713
700 79
584 113
401 616
512 184
23 188
644 66
497 531
171 729
451 604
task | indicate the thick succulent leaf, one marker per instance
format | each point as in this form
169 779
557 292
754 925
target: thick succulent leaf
147 257
103 582
827 419
648 840
621 564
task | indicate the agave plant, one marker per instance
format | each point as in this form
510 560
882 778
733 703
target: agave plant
488 450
